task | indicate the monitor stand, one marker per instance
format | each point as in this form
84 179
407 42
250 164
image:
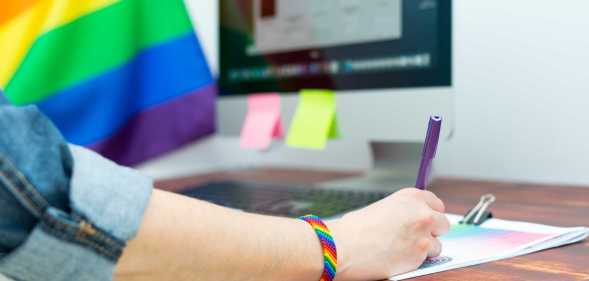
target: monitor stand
395 166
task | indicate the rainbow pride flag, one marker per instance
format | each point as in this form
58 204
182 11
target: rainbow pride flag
126 78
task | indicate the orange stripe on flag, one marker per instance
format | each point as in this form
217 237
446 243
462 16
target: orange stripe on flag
12 8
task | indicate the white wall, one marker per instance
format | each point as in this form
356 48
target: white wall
522 82
522 88
205 17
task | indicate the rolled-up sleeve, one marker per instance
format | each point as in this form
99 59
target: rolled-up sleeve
66 212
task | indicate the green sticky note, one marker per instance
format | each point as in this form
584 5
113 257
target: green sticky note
314 121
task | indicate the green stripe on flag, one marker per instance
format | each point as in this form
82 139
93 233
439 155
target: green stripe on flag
94 44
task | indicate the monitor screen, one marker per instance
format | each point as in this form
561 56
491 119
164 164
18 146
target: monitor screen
288 45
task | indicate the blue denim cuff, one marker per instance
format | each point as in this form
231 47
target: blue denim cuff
66 212
46 257
111 196
108 202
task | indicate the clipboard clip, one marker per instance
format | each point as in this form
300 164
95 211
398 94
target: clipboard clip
480 213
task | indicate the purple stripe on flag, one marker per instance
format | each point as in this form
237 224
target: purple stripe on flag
162 128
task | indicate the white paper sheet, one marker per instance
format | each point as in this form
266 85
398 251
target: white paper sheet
495 240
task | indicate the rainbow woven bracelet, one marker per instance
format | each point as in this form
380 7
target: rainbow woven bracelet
327 244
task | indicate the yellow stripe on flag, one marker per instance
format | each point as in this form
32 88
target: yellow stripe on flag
20 33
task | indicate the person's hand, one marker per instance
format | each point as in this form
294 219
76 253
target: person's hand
389 237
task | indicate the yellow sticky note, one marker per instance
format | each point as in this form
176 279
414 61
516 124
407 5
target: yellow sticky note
314 121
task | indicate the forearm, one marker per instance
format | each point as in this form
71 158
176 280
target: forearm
186 239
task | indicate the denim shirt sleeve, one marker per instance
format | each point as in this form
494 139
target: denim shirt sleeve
2 101
66 213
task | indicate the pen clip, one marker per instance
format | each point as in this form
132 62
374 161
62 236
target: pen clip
480 213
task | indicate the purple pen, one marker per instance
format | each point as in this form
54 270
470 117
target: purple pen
430 146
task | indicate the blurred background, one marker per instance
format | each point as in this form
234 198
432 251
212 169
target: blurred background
521 84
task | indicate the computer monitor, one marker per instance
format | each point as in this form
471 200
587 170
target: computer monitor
389 61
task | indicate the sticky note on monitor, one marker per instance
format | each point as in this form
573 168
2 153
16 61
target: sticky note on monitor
262 123
315 121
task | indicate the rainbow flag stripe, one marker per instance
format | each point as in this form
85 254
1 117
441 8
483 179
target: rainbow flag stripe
124 77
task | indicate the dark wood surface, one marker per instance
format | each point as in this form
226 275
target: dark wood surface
554 205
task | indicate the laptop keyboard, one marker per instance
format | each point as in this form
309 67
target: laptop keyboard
283 200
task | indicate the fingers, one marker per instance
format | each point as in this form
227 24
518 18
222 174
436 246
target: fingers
441 224
431 247
435 248
433 201
426 196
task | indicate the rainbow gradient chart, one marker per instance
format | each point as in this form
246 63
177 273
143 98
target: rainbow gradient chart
466 245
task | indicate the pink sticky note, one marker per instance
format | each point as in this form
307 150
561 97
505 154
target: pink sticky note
262 122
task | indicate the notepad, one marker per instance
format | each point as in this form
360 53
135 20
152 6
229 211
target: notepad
262 123
315 121
496 239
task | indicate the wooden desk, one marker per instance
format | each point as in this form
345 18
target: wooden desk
554 205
